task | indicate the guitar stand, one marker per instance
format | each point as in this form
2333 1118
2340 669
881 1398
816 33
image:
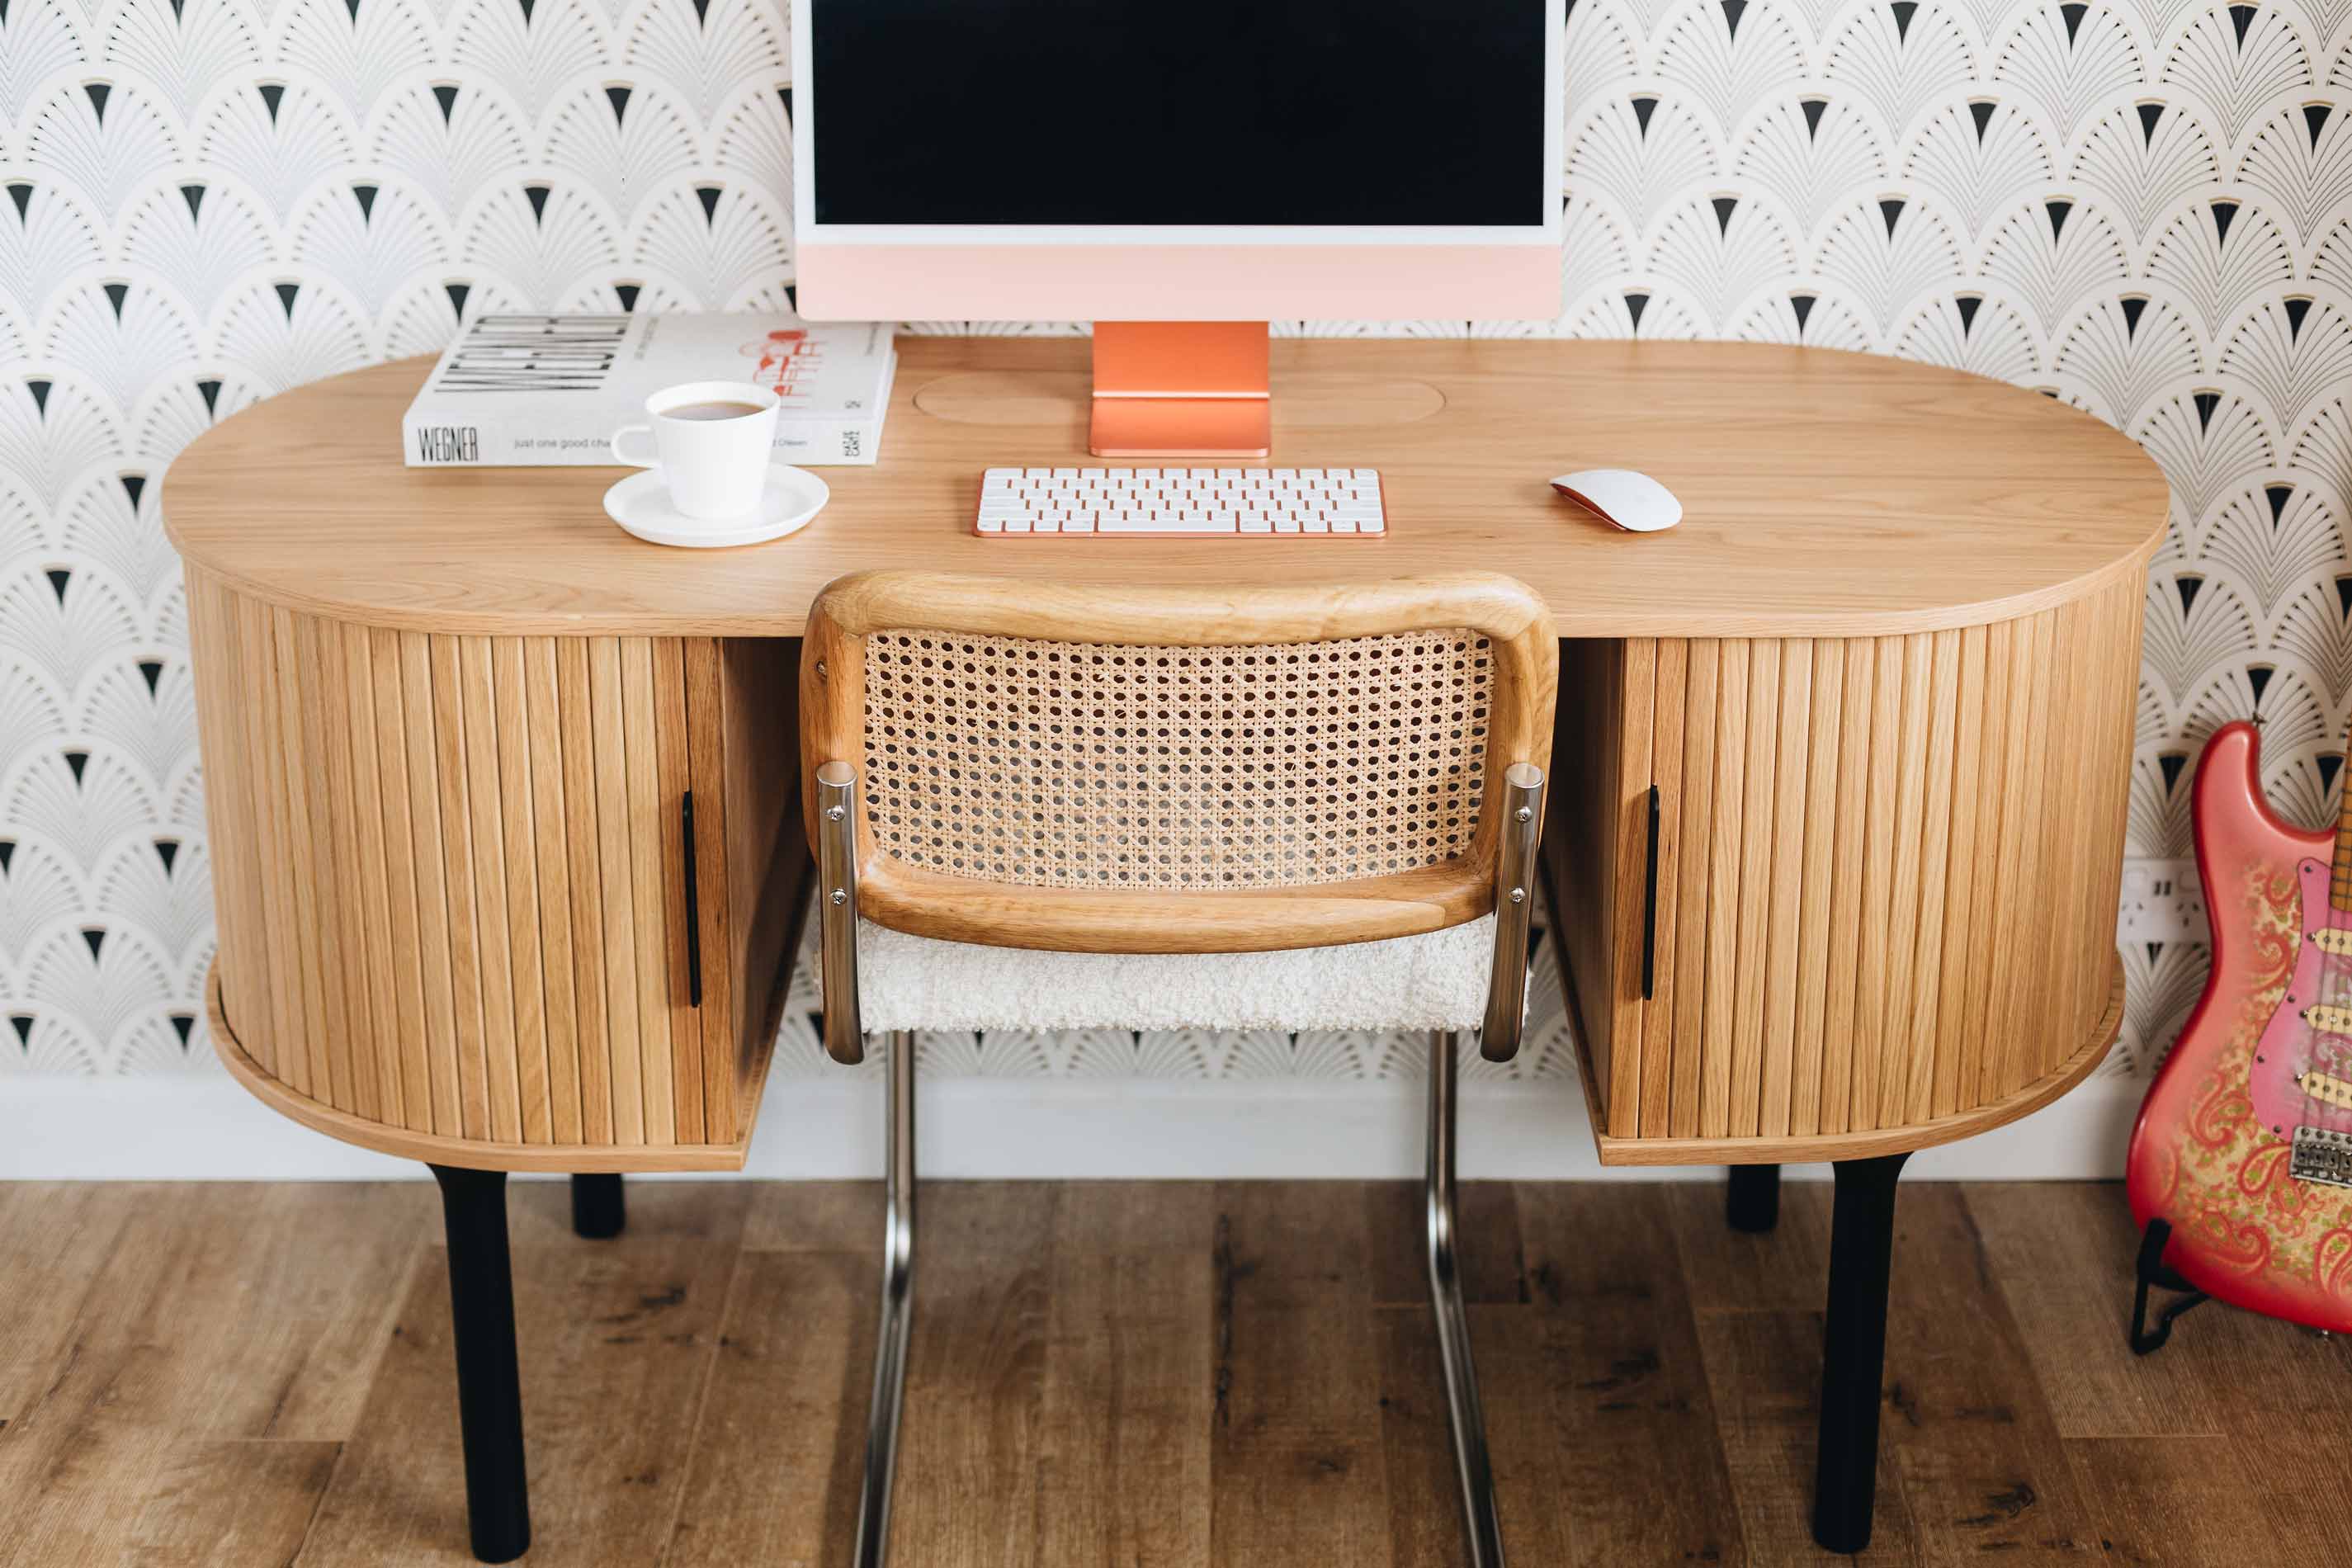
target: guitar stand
2145 1341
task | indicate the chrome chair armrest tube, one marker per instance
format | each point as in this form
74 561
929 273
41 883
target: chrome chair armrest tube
1515 895
836 844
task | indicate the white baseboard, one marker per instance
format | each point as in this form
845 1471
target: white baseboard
206 1128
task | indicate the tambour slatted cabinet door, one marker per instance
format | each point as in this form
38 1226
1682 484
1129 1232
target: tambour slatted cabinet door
505 902
1843 897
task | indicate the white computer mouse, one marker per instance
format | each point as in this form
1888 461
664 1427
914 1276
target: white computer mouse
1633 501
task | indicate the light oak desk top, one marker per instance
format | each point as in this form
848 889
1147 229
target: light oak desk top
505 843
1825 494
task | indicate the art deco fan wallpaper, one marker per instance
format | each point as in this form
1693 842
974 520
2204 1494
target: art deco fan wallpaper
2143 208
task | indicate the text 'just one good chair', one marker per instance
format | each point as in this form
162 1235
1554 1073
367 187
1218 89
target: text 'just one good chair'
1309 807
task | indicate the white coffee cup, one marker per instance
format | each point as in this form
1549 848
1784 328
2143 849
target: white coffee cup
714 442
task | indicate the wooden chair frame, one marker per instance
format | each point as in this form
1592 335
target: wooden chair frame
1516 623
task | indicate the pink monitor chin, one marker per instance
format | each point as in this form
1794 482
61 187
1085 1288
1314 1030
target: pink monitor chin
867 282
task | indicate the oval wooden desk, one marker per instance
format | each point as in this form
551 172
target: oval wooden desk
1842 761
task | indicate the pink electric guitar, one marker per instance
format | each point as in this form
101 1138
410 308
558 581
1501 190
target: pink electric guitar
2240 1169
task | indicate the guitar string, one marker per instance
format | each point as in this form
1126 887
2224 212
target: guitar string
2333 994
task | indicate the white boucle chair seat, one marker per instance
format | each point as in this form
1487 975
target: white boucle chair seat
1435 981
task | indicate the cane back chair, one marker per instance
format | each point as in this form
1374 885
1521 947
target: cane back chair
1039 807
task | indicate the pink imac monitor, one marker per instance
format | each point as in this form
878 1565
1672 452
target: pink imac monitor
1177 174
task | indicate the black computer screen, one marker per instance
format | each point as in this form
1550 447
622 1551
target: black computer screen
1296 112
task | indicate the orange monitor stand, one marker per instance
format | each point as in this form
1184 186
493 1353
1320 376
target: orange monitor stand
1180 389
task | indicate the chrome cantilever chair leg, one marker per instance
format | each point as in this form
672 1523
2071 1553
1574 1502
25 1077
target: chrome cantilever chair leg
845 1041
1515 895
897 1304
1463 1413
1507 993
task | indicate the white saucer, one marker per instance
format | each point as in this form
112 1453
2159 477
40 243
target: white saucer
641 505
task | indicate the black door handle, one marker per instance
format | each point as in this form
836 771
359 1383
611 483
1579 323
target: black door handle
1650 906
693 903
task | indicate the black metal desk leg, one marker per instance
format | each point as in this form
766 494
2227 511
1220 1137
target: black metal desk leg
598 1208
489 1387
1752 1202
1853 1350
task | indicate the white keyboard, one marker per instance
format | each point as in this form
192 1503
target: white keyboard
1178 502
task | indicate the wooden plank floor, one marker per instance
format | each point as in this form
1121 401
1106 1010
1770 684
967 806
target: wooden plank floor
1127 1375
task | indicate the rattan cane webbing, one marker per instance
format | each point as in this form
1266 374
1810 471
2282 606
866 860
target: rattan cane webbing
1088 765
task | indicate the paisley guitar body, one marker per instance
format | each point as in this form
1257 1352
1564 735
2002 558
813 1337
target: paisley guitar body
2244 1141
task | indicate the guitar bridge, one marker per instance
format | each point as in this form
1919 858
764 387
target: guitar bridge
2320 1155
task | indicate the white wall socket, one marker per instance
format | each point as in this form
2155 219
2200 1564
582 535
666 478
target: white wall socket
2162 901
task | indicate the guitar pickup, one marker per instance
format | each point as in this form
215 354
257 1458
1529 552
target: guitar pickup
2327 1091
2329 1020
2322 1156
2335 941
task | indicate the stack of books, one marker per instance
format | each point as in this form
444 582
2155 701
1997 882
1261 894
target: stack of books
550 391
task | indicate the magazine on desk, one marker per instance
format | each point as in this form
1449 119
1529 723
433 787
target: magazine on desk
549 391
